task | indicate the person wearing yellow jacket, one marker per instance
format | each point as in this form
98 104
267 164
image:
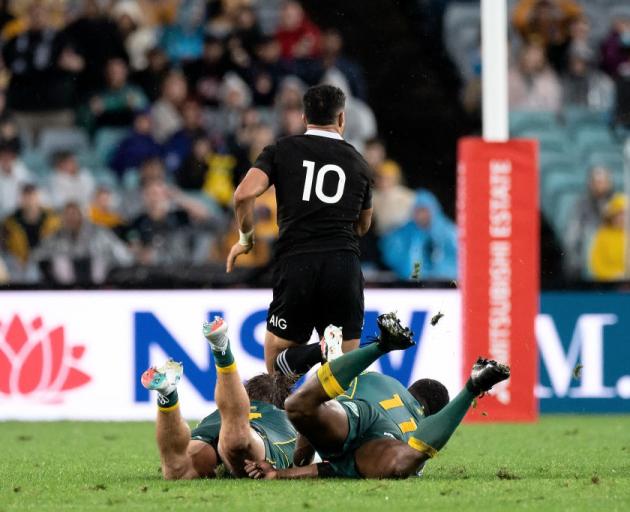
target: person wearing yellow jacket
607 256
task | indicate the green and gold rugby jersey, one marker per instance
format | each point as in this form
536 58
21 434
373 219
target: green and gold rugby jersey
377 407
391 399
272 425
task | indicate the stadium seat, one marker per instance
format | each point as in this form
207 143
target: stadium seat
562 165
131 179
522 121
53 140
35 161
593 134
210 204
556 185
104 176
576 118
614 161
105 142
551 140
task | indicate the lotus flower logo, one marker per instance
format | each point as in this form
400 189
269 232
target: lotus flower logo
37 362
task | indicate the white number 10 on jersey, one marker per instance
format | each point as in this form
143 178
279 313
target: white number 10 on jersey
319 182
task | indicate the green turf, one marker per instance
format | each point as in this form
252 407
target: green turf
562 463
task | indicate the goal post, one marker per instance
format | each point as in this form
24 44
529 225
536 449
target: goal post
498 221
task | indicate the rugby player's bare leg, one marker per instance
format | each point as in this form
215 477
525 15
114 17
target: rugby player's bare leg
275 345
180 457
237 440
323 421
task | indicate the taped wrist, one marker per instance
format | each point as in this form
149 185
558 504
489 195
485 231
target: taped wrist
246 239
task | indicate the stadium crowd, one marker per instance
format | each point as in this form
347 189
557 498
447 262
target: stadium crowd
569 86
126 125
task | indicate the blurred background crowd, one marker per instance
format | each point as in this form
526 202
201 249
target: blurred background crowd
125 127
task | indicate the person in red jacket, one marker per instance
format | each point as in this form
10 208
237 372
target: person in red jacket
298 36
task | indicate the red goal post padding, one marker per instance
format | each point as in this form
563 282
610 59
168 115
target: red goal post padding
498 219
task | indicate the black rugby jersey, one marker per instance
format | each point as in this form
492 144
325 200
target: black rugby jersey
322 184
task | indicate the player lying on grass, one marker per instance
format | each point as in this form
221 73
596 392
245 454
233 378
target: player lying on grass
370 427
248 423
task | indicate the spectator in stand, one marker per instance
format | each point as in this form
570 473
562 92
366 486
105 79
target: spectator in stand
266 71
69 183
206 170
332 57
43 71
166 111
246 28
547 22
583 85
116 105
151 78
532 83
615 49
608 252
191 175
179 145
428 240
13 176
392 201
80 252
289 98
163 233
24 230
137 147
588 213
223 15
138 37
183 40
206 73
292 122
7 20
236 98
102 211
96 38
298 36
159 12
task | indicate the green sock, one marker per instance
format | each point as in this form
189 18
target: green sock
337 375
434 432
168 402
224 359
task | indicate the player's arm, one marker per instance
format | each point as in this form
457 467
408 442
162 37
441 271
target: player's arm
253 185
262 470
363 223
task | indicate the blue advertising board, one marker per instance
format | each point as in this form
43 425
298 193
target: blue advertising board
584 344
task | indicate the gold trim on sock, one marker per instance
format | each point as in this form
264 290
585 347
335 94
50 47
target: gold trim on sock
254 415
168 409
227 369
329 382
422 447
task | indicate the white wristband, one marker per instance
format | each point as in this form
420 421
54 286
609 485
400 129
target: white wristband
246 239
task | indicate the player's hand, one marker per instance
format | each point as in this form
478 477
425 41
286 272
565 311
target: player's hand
260 470
235 252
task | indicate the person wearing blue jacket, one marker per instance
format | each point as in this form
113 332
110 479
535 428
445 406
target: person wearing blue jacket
428 239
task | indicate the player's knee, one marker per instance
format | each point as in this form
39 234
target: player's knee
398 464
295 407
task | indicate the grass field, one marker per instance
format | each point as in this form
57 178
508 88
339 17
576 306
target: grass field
562 463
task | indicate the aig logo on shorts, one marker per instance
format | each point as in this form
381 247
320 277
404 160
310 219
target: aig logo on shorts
278 322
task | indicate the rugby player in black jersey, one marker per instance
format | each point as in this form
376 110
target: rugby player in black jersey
323 191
